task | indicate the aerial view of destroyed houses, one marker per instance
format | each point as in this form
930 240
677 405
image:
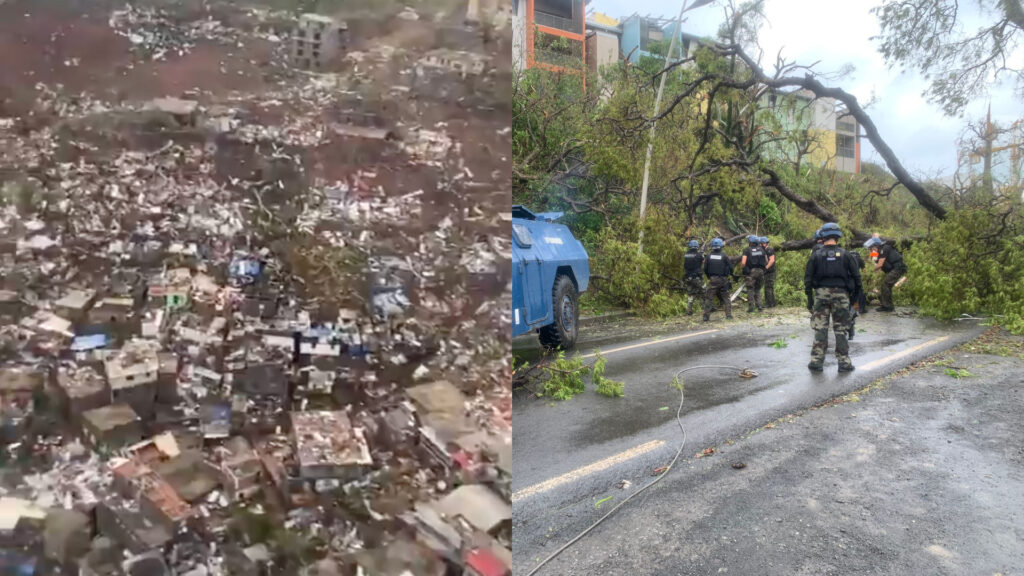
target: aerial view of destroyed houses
252 270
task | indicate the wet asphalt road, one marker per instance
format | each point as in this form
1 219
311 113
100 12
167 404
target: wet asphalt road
569 454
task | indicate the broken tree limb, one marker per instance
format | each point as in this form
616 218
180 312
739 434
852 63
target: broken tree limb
870 130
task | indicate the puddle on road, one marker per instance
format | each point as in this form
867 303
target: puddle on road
634 416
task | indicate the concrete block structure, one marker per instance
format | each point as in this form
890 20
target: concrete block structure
317 41
458 61
639 33
604 36
479 506
67 535
132 373
80 389
17 387
239 469
112 426
127 526
820 132
327 446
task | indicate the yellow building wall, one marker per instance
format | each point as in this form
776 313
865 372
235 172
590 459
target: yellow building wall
825 152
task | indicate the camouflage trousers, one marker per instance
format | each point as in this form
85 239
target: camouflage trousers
695 290
717 286
769 287
891 278
755 282
834 303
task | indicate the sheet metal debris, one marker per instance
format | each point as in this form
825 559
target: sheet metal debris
232 297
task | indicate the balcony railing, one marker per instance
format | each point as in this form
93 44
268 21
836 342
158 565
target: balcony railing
574 25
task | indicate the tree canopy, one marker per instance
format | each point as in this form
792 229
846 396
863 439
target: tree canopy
960 59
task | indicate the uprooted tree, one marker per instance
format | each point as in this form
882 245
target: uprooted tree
723 165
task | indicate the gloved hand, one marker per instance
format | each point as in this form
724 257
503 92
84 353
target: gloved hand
746 271
810 298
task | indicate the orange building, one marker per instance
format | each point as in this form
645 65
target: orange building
554 34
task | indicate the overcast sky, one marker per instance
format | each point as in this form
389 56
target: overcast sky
838 33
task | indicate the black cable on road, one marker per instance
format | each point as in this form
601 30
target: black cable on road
742 372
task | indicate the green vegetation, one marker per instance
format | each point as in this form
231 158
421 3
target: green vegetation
606 387
722 167
980 271
958 373
780 343
960 54
564 377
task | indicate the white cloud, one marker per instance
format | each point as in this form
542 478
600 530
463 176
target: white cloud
835 34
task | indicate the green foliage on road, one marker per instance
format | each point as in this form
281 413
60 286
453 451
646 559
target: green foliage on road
958 373
972 263
605 386
564 377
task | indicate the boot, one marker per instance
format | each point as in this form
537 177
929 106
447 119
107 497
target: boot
815 366
846 367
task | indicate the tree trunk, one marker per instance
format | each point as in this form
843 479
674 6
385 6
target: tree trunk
871 131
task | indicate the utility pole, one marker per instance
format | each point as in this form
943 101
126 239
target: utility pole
657 109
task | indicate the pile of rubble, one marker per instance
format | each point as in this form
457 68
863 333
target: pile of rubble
220 364
156 34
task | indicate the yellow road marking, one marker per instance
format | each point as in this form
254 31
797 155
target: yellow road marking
901 354
587 470
641 345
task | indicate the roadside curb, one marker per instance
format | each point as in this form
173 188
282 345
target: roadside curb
588 320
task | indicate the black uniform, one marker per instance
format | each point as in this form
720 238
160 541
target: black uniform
693 264
833 276
769 279
717 268
894 269
756 261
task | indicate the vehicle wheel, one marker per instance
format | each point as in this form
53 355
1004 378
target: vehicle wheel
565 305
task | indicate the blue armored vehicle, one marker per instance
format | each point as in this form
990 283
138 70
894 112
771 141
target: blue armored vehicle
550 269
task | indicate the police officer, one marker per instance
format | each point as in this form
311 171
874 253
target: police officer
753 263
833 276
769 274
817 242
890 261
717 268
693 265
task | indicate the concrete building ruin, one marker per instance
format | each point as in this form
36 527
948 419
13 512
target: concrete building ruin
317 40
327 446
458 61
132 373
80 389
112 426
239 469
